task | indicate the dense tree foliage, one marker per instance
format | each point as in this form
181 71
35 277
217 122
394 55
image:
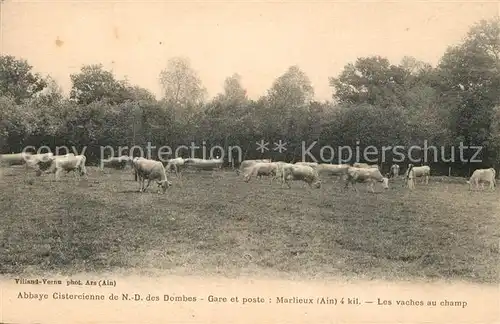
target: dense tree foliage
375 102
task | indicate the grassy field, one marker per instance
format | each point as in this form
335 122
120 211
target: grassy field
227 227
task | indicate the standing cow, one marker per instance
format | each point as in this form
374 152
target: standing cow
419 171
336 170
394 171
246 164
58 164
175 164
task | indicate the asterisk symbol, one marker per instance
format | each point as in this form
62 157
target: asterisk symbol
262 146
280 146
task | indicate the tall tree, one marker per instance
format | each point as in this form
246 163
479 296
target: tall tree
372 80
94 83
233 90
140 94
470 82
17 79
291 89
52 93
181 84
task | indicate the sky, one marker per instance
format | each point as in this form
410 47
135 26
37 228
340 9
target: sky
257 39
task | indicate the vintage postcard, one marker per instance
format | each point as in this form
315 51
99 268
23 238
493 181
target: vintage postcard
249 161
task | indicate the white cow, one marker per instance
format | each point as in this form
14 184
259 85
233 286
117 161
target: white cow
116 162
394 171
482 176
365 166
295 172
14 159
34 158
151 170
260 169
338 170
245 164
175 164
60 163
311 164
367 175
34 161
418 171
204 165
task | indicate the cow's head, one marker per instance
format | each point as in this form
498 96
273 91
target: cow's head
164 184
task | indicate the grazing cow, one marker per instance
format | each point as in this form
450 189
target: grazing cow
244 165
116 162
482 176
60 163
394 171
151 170
418 171
365 166
311 164
260 169
299 172
368 175
206 165
338 170
201 164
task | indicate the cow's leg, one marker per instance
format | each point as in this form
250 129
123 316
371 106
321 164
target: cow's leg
411 183
147 186
372 185
83 172
57 174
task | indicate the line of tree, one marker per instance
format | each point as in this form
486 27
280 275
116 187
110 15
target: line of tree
374 102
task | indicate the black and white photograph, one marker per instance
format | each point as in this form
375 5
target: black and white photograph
284 140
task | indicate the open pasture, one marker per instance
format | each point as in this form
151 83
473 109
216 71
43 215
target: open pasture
221 225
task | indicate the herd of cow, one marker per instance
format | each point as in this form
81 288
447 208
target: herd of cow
309 172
